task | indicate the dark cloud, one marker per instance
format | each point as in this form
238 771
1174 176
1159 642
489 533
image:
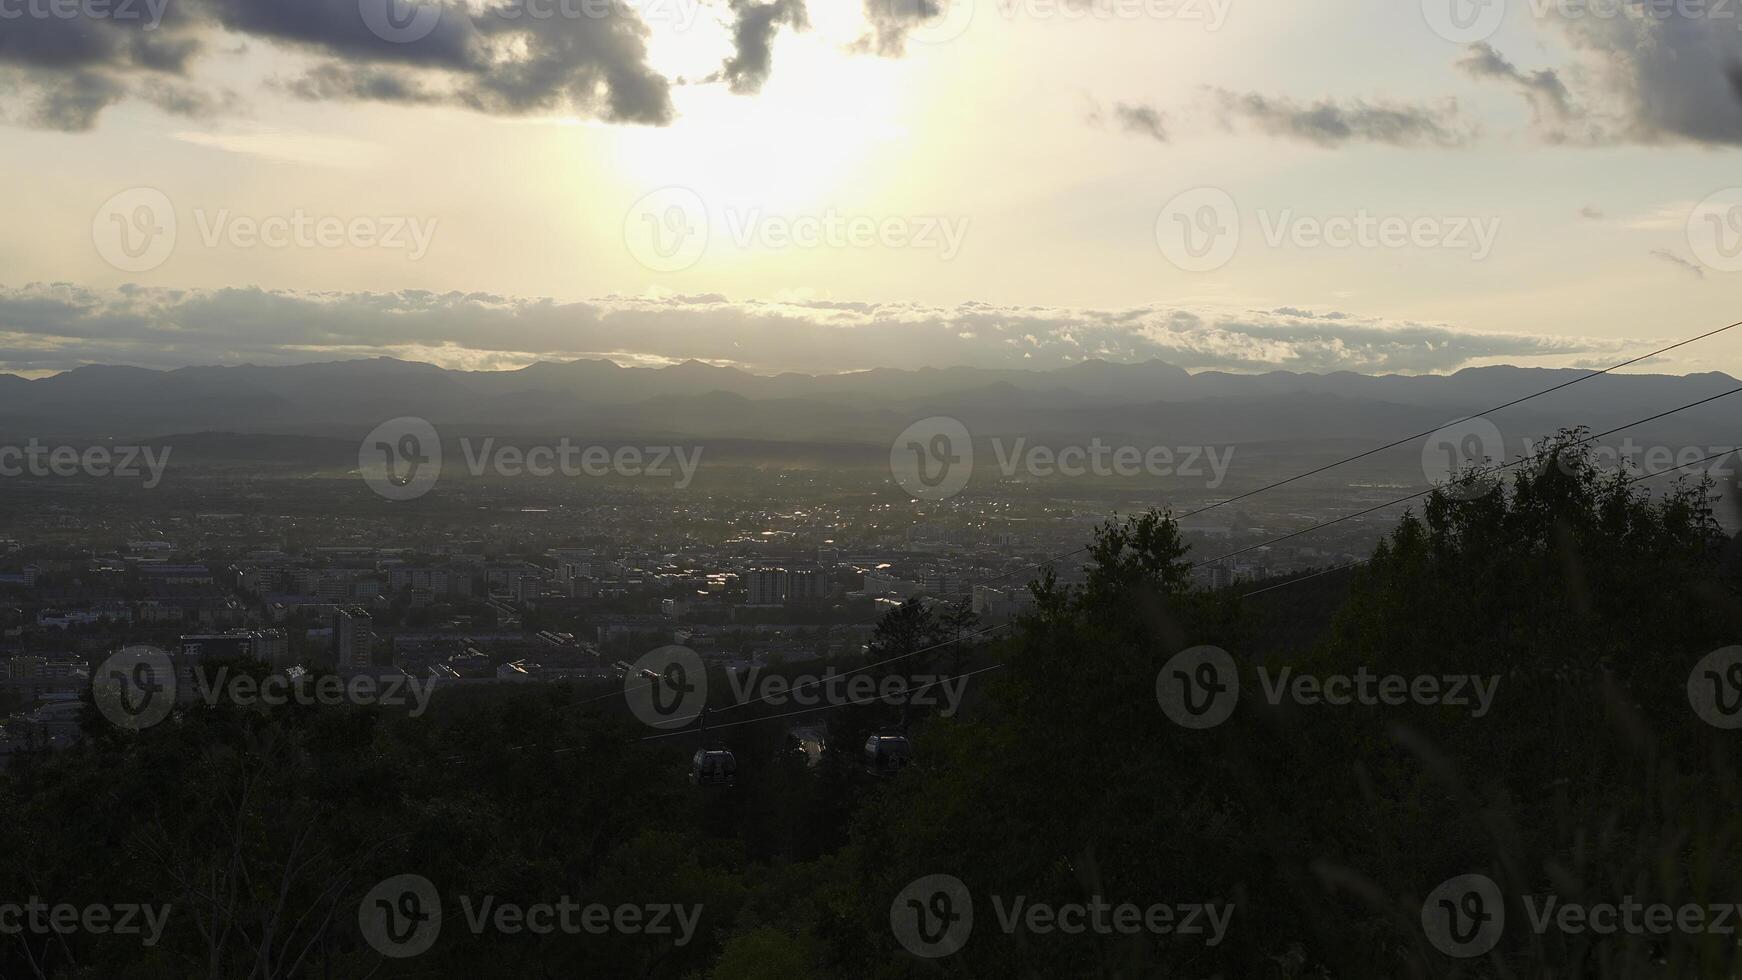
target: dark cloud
892 20
1695 269
1329 123
1543 89
339 27
1133 117
336 81
1647 73
62 72
180 99
1666 76
500 59
72 101
753 29
1590 213
53 327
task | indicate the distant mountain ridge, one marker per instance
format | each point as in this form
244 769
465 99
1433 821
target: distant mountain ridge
694 399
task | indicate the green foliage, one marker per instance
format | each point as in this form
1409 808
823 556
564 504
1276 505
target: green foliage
1324 826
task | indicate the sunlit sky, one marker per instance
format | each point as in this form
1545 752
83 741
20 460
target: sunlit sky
1013 168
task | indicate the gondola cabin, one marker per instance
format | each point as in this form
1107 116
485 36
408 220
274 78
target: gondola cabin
886 755
714 767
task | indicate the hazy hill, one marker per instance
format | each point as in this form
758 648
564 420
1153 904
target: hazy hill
1153 401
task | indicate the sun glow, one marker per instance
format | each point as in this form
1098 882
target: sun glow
741 149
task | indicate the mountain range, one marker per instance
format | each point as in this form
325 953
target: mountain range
1155 402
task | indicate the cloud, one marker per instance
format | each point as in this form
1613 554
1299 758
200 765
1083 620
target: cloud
63 72
1590 213
56 327
499 58
1639 73
1141 119
1137 118
1667 76
1698 271
1329 123
892 20
753 30
1551 104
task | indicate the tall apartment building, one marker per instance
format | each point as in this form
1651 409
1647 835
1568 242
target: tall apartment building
267 646
352 639
767 586
806 585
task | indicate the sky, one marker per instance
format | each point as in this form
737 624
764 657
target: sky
1373 185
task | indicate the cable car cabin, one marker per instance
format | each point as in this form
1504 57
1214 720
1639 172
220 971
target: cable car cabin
714 767
886 755
806 745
